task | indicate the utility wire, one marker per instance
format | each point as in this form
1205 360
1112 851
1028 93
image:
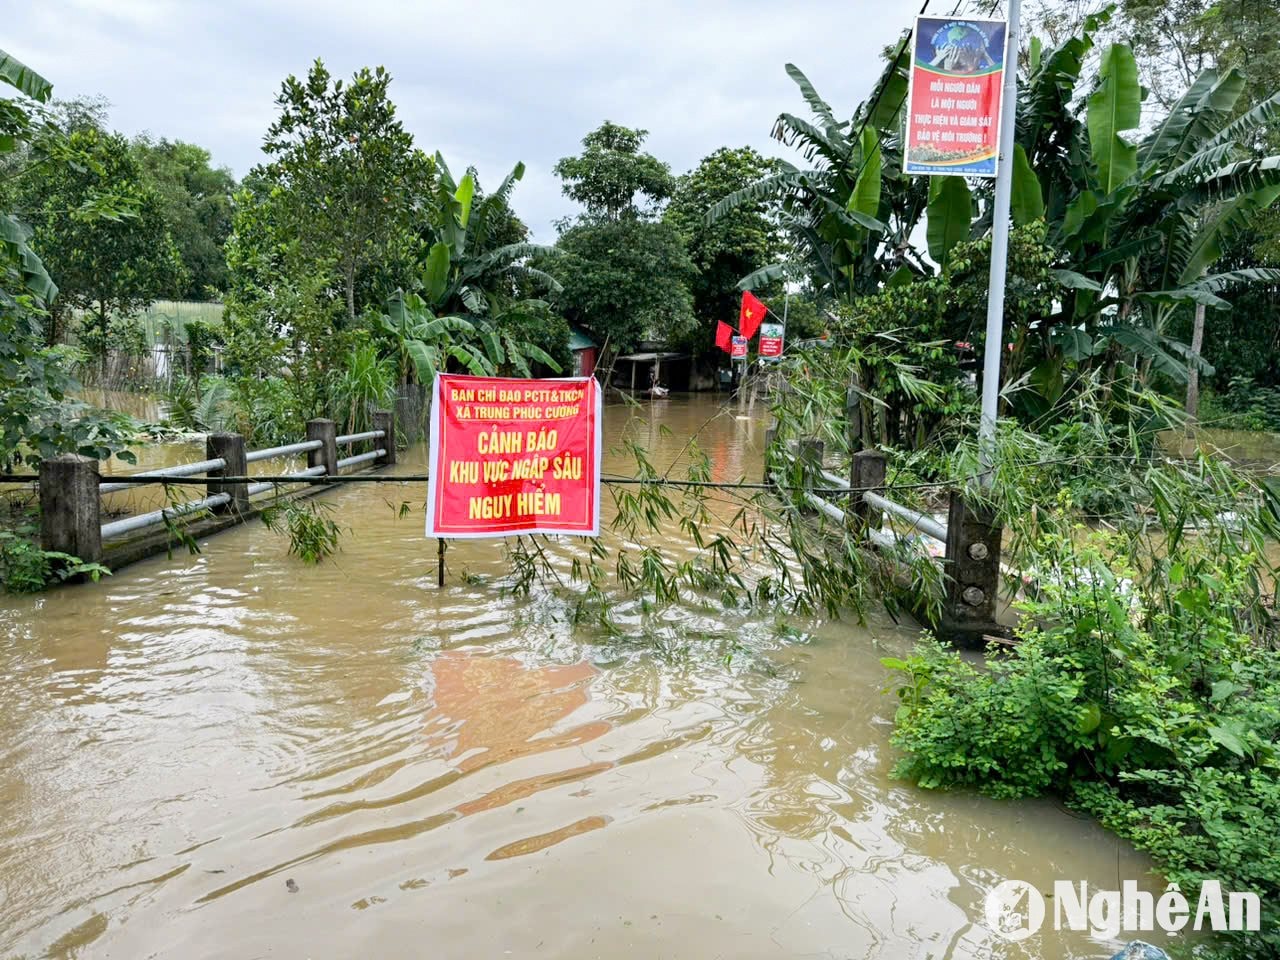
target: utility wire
616 481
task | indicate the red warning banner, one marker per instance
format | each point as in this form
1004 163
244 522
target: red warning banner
511 456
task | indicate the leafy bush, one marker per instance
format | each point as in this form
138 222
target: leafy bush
1245 406
198 405
25 568
366 382
202 336
1150 699
128 335
268 411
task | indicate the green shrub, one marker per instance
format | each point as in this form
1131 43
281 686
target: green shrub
1245 406
25 568
202 337
1150 700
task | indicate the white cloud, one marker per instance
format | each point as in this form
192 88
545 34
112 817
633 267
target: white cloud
486 82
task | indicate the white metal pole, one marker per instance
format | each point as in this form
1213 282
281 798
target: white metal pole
994 348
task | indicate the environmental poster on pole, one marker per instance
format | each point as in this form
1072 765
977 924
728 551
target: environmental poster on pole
738 349
771 335
512 456
953 117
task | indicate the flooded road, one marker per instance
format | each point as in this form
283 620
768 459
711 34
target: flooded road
235 755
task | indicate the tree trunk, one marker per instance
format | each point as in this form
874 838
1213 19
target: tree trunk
351 291
1193 370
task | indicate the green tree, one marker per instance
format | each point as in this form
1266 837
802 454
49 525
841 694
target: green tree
850 217
196 199
343 173
627 281
736 244
38 417
101 231
626 275
611 178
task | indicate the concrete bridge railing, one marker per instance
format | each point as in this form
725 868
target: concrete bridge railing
71 488
970 537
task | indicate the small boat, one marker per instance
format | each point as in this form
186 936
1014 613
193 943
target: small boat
657 393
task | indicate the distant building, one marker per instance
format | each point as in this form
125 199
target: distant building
585 352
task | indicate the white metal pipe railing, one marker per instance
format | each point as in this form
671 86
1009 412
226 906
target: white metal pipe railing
265 485
920 521
361 458
357 437
289 449
120 527
185 470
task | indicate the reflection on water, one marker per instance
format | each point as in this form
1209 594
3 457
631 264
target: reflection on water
233 755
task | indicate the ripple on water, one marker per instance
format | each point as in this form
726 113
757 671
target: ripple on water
188 744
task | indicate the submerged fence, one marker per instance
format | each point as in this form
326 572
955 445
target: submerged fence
71 488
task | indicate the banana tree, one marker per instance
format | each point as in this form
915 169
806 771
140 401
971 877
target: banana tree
463 267
426 343
1140 221
849 215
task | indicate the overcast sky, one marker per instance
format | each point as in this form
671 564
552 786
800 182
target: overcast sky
486 82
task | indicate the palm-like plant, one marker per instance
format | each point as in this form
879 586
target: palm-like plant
457 313
1139 223
463 264
480 346
851 214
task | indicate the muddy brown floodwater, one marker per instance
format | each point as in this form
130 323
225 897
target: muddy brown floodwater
235 755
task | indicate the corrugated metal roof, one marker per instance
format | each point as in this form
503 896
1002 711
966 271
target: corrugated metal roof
578 340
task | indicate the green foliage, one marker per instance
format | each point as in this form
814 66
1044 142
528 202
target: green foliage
1144 681
196 202
732 247
99 227
1244 406
38 417
313 535
202 337
271 411
626 275
198 404
611 177
626 281
25 568
849 218
343 173
365 383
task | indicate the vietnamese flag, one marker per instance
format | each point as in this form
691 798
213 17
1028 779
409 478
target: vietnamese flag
752 315
724 336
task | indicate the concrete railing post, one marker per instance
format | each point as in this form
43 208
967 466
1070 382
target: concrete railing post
770 435
973 575
385 420
327 454
853 416
866 474
70 507
229 447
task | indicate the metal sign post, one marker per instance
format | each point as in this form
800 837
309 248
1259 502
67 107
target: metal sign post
994 348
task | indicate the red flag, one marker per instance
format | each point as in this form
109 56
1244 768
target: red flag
752 315
724 336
